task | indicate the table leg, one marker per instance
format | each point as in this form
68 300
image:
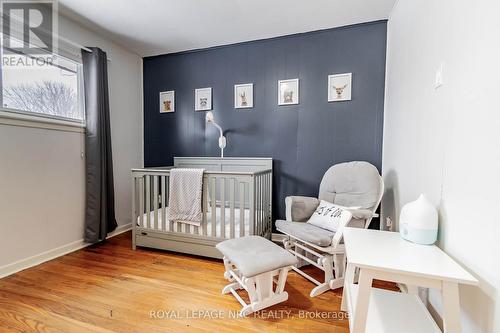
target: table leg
451 308
348 279
361 311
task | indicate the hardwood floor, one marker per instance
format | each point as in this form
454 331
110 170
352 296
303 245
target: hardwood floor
111 288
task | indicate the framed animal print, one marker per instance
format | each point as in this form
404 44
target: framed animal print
243 96
288 92
167 101
203 99
339 87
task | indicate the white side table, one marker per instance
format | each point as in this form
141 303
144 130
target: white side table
386 256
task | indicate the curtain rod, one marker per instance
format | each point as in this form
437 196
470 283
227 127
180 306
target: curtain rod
66 40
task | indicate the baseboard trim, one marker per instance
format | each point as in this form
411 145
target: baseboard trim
120 230
40 258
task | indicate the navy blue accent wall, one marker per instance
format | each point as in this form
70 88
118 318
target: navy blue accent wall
305 139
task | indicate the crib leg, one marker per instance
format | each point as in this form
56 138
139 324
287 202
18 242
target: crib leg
133 239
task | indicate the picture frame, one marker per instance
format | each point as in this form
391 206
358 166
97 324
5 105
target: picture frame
288 92
167 101
203 99
243 96
340 87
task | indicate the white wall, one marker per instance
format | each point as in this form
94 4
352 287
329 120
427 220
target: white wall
445 142
42 175
125 103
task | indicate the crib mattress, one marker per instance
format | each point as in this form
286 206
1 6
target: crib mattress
186 228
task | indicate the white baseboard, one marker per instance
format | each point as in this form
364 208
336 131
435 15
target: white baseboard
37 259
120 230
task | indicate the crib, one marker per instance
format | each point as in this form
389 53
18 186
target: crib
237 202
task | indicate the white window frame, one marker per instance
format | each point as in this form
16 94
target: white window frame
18 117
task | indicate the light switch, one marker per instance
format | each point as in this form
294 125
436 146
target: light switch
438 81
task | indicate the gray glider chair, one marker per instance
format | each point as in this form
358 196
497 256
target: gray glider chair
356 185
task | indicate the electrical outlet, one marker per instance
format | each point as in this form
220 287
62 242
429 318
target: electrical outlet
388 222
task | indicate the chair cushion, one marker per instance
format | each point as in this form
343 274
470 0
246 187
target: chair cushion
254 255
351 184
306 232
300 208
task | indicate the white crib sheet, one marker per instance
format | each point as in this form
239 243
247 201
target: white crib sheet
186 228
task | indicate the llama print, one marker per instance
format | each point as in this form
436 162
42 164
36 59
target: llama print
243 95
288 92
288 96
243 99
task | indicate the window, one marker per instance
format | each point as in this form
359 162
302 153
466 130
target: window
47 88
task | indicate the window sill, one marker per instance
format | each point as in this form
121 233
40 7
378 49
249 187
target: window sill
26 119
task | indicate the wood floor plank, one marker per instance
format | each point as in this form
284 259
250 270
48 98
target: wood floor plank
111 288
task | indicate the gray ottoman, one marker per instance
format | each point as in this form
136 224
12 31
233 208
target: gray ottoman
251 263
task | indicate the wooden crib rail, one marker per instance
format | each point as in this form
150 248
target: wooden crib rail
236 204
263 203
139 172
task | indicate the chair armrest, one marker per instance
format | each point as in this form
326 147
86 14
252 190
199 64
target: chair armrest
362 213
300 209
361 218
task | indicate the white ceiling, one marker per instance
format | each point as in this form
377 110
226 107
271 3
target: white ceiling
151 27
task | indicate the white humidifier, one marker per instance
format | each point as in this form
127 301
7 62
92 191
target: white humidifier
418 222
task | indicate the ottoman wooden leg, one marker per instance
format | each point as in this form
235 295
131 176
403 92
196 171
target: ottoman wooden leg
263 290
228 266
256 275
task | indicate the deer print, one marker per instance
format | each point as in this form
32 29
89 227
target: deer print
339 90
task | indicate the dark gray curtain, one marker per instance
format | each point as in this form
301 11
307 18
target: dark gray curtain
100 200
